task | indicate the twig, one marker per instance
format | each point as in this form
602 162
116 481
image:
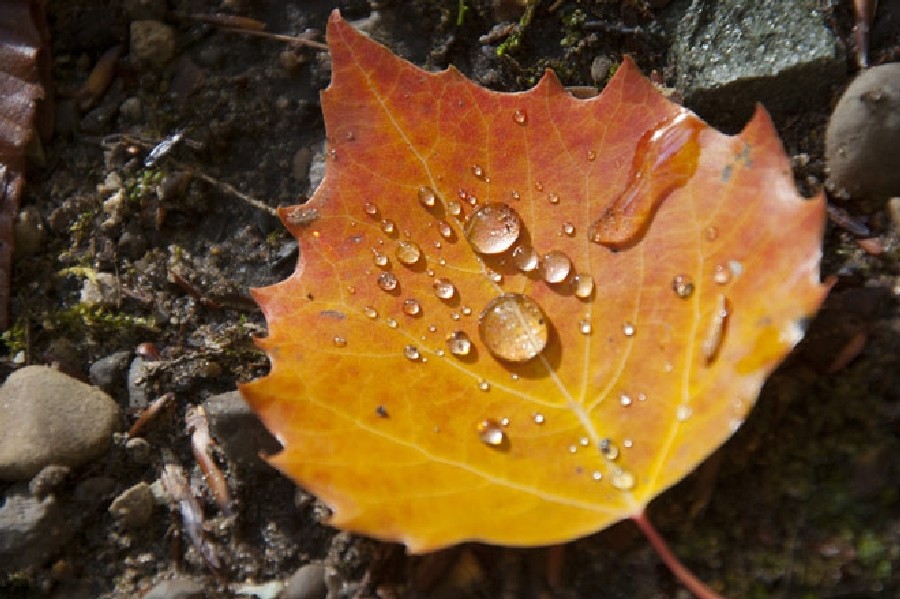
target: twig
198 428
149 413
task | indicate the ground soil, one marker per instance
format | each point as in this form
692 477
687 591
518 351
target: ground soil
803 502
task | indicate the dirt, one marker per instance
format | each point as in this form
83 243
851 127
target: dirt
803 502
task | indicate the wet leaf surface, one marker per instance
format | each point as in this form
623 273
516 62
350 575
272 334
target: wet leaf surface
518 318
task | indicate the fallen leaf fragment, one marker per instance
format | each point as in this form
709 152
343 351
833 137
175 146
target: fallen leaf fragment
609 361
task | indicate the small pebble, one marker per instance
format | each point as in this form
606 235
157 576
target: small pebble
133 507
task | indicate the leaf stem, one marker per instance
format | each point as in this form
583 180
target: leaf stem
685 576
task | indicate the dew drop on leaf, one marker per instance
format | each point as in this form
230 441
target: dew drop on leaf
445 229
628 329
483 385
584 327
411 352
408 252
721 274
553 198
537 418
597 475
584 285
683 412
391 322
515 195
454 208
388 226
622 479
520 117
371 209
387 281
591 155
444 288
624 400
478 171
380 259
608 449
568 229
555 266
513 327
711 233
427 197
525 258
412 307
490 433
459 343
493 228
339 341
370 312
683 286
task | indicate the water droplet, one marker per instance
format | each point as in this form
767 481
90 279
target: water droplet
455 315
408 252
490 433
432 328
568 229
387 281
412 307
370 312
711 233
525 258
379 259
454 208
722 274
627 443
388 226
608 449
683 413
459 343
597 475
584 326
555 266
371 209
340 342
412 353
495 277
628 329
520 117
625 400
504 422
391 322
483 385
715 334
573 448
584 441
553 198
683 286
584 285
427 197
591 155
513 327
493 228
445 229
515 195
444 288
478 171
622 479
351 289
466 310
537 418
437 246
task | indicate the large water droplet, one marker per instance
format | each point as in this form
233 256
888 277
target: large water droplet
520 117
427 197
622 479
411 352
493 228
525 258
444 288
408 252
683 286
387 281
584 285
490 432
555 266
459 343
412 307
513 327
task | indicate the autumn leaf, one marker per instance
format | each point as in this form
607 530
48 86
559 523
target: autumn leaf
519 317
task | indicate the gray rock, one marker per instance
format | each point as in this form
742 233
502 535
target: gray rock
31 530
239 431
864 134
48 480
177 588
108 373
134 506
731 54
152 43
48 418
138 391
308 582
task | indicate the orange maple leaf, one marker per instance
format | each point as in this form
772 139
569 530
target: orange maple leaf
519 317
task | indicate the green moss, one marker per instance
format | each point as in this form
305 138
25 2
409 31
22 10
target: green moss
16 337
97 320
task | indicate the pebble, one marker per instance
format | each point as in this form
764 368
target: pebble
31 530
109 372
176 588
101 289
138 390
239 431
308 582
48 480
138 450
152 43
133 507
47 417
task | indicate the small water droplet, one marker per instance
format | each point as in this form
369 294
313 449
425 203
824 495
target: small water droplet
525 258
459 343
493 228
483 385
683 412
584 441
379 259
388 226
412 353
584 285
455 315
683 286
444 288
520 117
608 449
412 307
537 418
370 312
495 277
391 322
555 266
642 397
432 328
454 208
513 327
445 229
427 197
591 155
504 422
597 475
622 479
539 186
627 443
466 310
553 198
628 329
408 252
490 433
351 289
515 195
711 233
387 281
584 327
573 448
722 274
371 209
568 229
478 171
340 342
